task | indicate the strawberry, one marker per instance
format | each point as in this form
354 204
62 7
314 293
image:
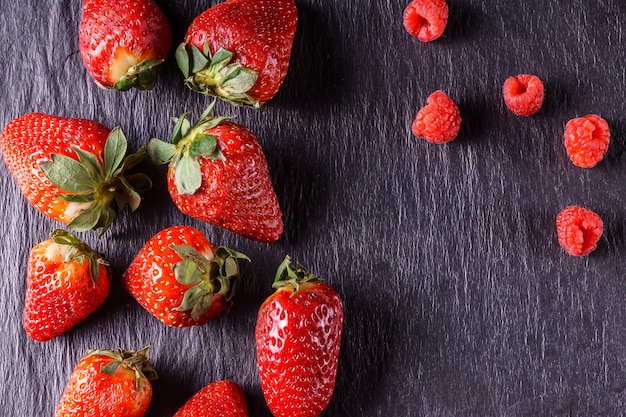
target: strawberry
297 337
72 170
123 42
239 50
218 399
218 173
181 278
66 281
107 383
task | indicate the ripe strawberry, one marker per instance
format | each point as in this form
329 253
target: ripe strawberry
239 50
297 336
218 399
72 170
123 42
218 173
66 282
181 278
108 383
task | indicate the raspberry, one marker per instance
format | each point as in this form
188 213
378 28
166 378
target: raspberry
439 121
523 94
578 230
426 19
587 140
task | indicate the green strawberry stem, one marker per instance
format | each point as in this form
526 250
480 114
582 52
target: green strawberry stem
189 143
217 75
140 76
206 278
288 275
104 186
135 361
79 252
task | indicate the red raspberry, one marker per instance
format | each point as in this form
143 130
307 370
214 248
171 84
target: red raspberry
426 19
578 230
439 121
523 94
587 140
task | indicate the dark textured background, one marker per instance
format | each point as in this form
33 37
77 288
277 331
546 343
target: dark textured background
458 299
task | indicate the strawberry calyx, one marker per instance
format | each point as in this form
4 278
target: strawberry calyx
207 278
102 187
217 74
292 278
138 362
79 252
189 144
140 76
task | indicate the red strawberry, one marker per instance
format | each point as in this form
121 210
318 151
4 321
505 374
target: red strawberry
297 336
108 383
123 42
72 170
218 173
239 50
181 278
66 282
218 399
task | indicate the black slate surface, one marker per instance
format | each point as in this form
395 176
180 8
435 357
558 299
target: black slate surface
458 299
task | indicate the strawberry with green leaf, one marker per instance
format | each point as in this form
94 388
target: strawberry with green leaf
108 383
298 336
73 170
218 173
123 43
239 50
66 281
181 278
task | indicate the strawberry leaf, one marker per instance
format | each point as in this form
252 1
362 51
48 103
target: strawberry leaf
207 113
111 367
77 198
67 174
201 306
138 182
191 253
188 176
86 220
287 275
198 60
239 81
182 58
219 75
128 197
203 145
91 164
219 61
161 152
181 128
140 76
114 151
192 297
135 361
187 272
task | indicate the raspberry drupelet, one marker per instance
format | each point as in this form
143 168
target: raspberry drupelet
578 230
426 19
439 121
586 140
523 94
